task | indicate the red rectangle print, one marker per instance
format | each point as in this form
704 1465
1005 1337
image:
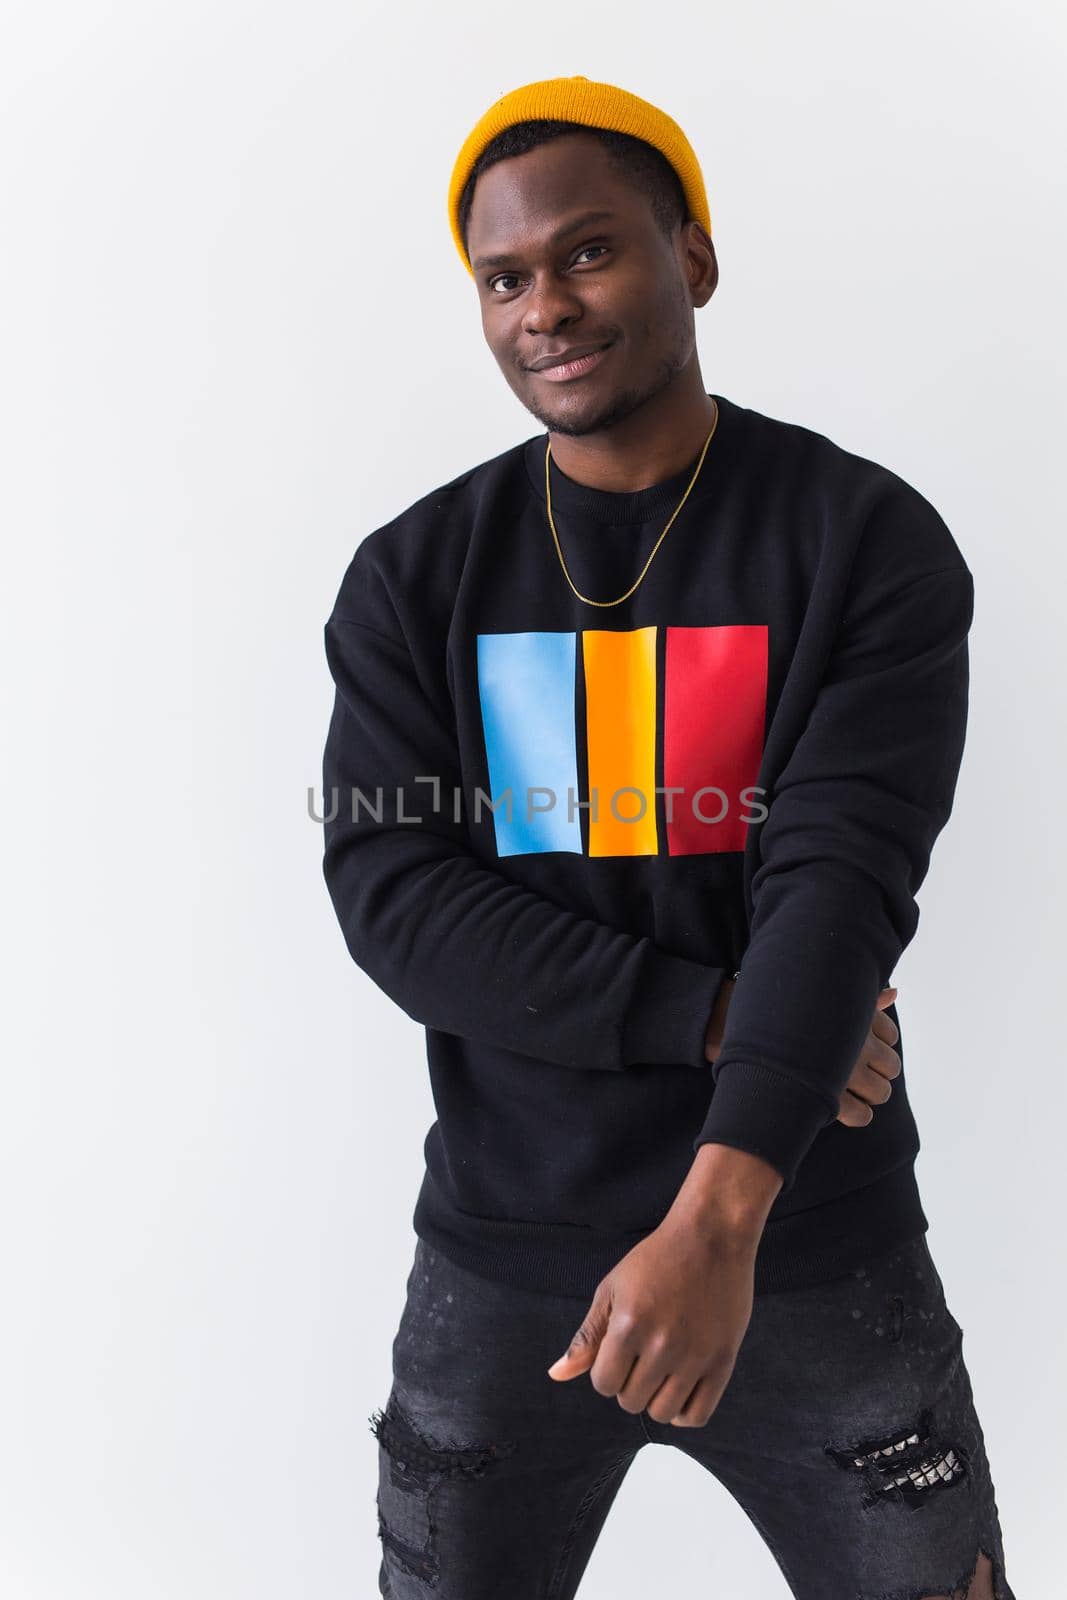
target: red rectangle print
714 708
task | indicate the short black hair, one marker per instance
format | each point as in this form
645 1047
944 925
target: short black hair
646 167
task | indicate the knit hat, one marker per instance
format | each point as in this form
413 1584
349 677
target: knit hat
596 105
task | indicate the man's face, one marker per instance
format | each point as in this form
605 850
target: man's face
615 281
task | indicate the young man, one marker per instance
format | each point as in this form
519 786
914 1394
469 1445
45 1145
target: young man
643 733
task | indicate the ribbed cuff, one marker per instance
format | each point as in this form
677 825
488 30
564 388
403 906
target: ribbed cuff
667 1022
765 1112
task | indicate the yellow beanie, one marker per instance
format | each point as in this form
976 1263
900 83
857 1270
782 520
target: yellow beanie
596 105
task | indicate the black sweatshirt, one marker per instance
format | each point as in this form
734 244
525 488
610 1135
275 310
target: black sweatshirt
772 727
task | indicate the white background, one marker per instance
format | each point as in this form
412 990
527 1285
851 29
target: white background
236 338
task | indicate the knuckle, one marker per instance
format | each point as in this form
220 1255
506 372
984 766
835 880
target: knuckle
720 1369
623 1320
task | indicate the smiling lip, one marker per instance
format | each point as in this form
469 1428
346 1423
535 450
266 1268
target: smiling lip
572 369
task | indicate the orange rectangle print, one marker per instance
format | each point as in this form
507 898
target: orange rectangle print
620 696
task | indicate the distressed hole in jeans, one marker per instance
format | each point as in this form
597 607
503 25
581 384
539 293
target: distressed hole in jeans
405 1495
983 1580
903 1467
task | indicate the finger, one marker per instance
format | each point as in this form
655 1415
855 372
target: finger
671 1397
854 1113
575 1360
885 998
884 1027
870 1086
614 1362
882 1057
700 1405
582 1350
649 1371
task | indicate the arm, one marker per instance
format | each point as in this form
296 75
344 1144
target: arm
456 944
843 852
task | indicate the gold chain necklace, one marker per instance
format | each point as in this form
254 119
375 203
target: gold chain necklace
655 547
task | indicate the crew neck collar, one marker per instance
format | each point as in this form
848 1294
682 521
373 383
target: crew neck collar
604 505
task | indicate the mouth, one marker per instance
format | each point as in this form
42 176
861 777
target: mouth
569 370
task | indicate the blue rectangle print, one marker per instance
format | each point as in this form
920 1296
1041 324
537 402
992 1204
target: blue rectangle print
526 690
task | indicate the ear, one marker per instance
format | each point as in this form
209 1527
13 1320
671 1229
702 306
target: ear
700 262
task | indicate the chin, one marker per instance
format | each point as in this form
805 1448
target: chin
585 414
599 413
572 426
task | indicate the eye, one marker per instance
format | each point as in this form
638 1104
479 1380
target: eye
493 282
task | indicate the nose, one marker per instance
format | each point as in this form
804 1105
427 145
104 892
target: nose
549 305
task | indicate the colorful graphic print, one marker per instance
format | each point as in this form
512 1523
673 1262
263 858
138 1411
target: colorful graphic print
714 698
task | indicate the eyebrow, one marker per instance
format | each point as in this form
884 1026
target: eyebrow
568 228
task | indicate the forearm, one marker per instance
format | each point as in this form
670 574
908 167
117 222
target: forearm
727 1196
462 949
843 853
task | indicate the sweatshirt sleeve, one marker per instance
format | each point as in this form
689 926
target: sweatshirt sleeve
454 942
844 849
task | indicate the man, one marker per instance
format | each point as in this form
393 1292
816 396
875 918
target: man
643 733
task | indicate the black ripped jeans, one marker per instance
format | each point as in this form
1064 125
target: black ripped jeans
847 1433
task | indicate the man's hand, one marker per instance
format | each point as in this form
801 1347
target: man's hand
664 1328
665 1325
870 1084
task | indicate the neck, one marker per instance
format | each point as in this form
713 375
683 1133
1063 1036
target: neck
651 444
